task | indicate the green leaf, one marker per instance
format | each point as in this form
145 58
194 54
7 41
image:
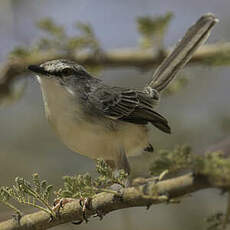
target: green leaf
152 29
85 186
172 160
50 27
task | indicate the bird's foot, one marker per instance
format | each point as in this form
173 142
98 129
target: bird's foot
85 204
59 203
161 176
156 179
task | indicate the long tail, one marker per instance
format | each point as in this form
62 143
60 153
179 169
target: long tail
195 36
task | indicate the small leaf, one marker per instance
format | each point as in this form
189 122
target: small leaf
19 52
152 29
49 26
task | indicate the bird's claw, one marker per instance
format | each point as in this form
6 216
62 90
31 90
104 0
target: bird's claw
51 219
161 176
58 205
85 203
156 179
17 217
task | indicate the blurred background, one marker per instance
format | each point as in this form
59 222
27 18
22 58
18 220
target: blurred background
198 113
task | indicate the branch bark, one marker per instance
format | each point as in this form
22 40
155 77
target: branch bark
139 196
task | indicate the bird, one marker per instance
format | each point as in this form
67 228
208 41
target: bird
110 122
95 119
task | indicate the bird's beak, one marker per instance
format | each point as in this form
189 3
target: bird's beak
37 69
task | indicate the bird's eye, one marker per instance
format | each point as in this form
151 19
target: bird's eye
67 71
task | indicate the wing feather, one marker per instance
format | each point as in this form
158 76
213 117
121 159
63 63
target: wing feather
128 105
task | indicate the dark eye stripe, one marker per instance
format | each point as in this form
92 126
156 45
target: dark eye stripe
67 71
56 73
64 72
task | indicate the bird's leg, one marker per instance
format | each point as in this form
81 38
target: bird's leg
123 163
111 164
155 179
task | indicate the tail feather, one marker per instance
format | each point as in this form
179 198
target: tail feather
162 126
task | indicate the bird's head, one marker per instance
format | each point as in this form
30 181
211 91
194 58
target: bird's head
59 69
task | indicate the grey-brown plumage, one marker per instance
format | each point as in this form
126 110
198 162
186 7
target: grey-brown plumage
95 119
128 105
115 103
98 120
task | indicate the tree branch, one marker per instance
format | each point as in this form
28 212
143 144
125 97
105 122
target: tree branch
212 54
138 196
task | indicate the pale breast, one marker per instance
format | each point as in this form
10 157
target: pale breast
92 139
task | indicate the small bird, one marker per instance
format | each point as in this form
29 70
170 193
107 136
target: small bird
110 122
95 119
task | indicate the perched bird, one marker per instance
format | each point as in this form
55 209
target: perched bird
93 118
102 121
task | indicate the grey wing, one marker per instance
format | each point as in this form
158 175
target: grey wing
127 105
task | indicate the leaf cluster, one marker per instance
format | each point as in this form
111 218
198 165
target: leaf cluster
80 186
57 40
152 29
213 165
172 160
36 194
